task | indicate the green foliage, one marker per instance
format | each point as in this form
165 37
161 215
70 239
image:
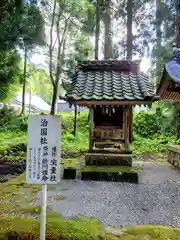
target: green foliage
33 26
157 120
152 133
10 73
11 121
145 124
152 145
14 130
40 83
19 21
21 24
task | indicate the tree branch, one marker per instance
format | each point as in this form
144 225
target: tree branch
54 44
61 46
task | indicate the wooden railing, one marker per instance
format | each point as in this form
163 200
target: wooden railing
174 155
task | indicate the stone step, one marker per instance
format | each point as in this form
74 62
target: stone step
108 159
111 150
113 174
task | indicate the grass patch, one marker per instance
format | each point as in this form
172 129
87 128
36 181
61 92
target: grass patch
80 228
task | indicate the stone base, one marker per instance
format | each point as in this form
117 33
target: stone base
115 174
100 159
174 155
69 173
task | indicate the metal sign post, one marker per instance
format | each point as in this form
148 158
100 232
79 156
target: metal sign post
43 157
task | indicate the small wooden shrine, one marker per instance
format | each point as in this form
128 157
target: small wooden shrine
110 89
169 89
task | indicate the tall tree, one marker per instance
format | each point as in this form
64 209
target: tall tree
177 23
97 29
129 29
158 41
67 20
57 12
32 35
11 21
108 51
177 105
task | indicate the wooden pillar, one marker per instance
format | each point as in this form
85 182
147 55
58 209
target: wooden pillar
91 124
126 127
130 124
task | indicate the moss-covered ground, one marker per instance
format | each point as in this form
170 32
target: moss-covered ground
16 202
80 228
17 196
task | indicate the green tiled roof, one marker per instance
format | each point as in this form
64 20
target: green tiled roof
106 84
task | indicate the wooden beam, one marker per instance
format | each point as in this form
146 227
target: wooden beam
90 103
176 89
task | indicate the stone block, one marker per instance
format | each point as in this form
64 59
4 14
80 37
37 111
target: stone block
101 159
108 174
69 173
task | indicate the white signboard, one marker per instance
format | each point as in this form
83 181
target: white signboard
43 150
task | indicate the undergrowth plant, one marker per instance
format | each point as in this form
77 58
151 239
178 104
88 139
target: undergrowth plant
152 132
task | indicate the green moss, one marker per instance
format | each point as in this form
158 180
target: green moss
70 162
14 198
57 228
122 169
80 228
58 198
153 232
31 209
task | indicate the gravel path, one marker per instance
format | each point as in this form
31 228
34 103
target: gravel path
155 200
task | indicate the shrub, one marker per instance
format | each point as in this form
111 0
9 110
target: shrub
11 121
146 124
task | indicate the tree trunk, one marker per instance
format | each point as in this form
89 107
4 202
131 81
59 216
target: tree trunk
107 31
54 99
129 51
97 29
158 42
24 81
177 108
129 29
178 23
